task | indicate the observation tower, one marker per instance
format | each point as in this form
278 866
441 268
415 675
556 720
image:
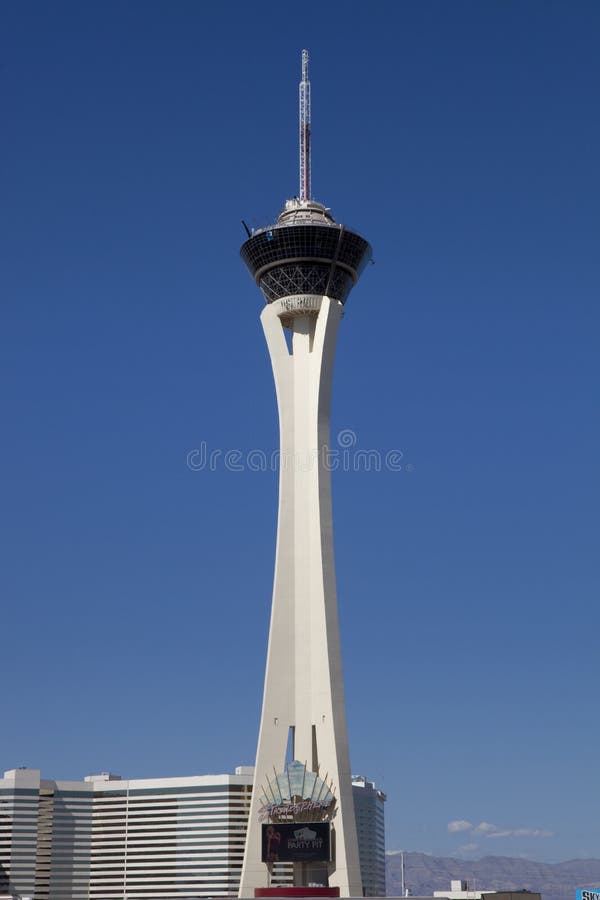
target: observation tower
302 810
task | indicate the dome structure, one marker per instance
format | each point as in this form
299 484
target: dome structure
306 252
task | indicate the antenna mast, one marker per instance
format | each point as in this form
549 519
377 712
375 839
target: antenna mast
305 130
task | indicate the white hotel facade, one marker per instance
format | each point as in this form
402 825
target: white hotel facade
106 838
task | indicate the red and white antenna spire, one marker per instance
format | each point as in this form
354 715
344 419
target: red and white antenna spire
305 130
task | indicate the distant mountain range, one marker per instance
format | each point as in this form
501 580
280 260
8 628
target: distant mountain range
554 881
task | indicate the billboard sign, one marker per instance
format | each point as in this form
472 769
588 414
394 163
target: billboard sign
294 842
588 894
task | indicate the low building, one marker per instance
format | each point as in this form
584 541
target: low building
465 890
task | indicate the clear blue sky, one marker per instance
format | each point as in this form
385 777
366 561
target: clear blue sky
462 139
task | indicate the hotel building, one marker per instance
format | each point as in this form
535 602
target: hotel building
370 828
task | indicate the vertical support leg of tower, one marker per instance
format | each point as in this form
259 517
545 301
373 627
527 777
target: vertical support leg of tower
303 681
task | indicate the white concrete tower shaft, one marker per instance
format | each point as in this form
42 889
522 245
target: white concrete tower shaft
303 683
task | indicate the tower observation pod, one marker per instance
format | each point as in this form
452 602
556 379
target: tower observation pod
301 836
